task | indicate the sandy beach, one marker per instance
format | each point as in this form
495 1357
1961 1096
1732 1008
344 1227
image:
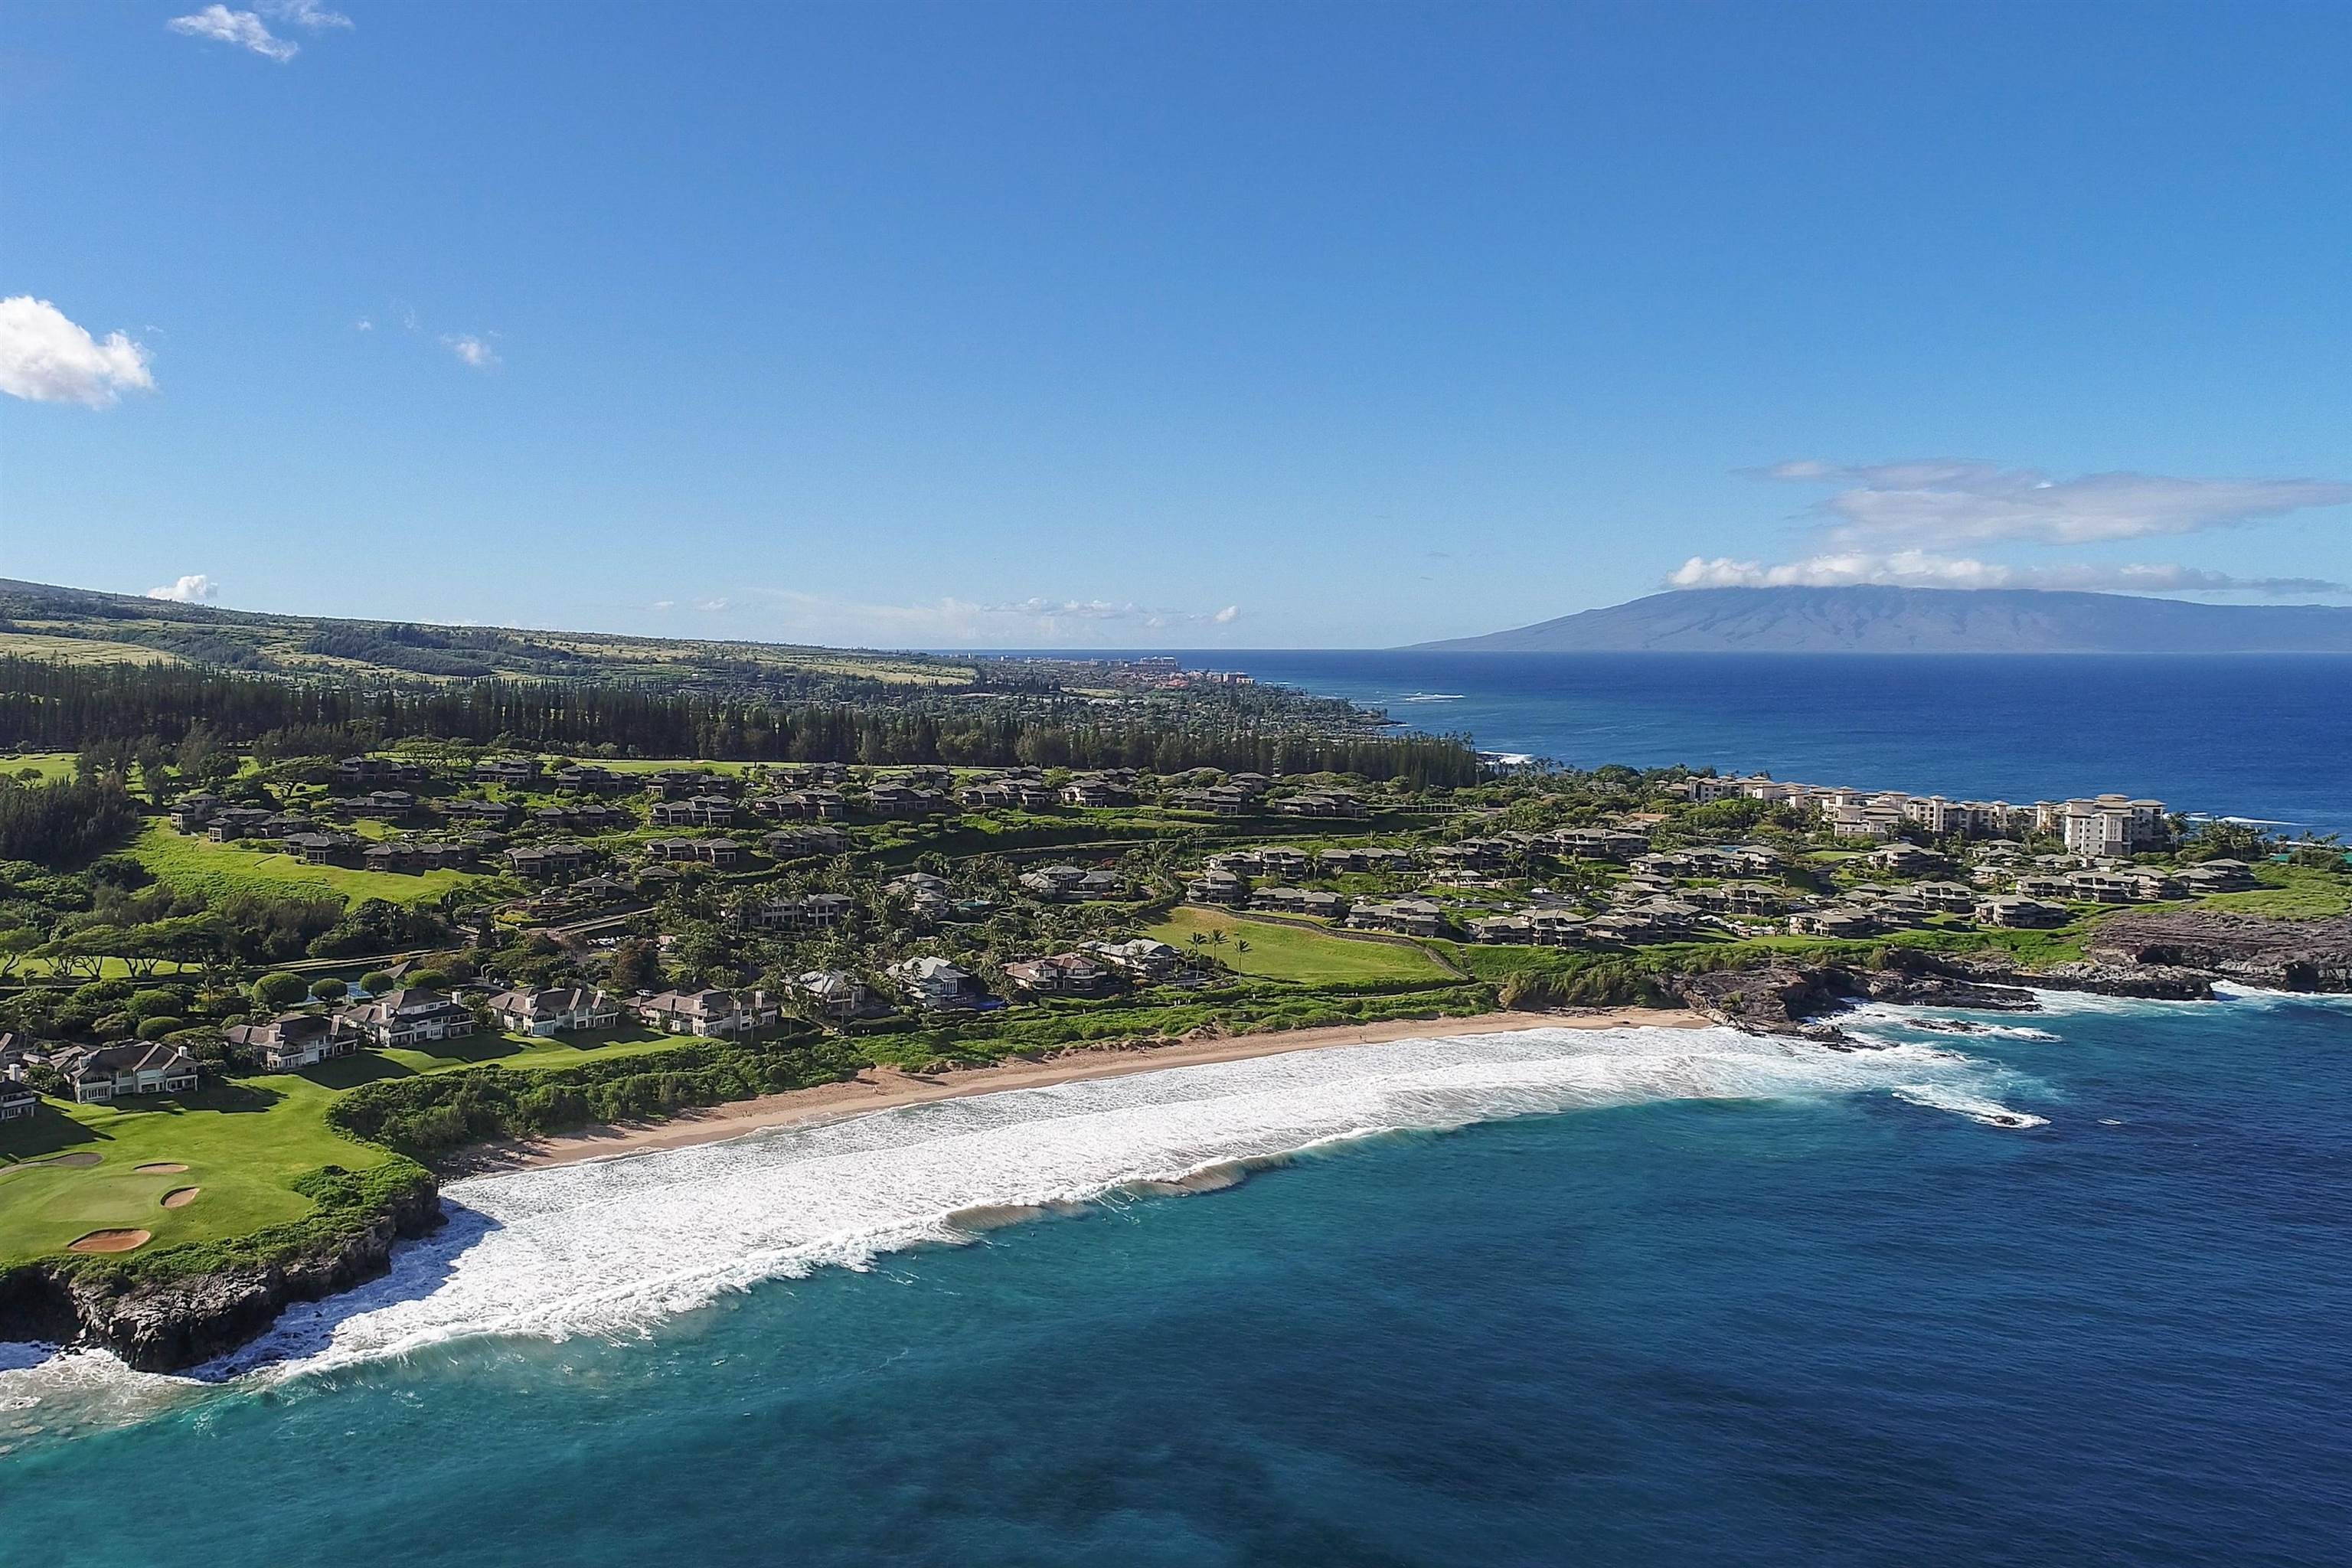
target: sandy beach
881 1088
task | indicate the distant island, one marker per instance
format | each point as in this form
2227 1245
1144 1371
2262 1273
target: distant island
1920 620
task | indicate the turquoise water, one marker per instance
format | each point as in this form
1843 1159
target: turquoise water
2255 736
1691 1299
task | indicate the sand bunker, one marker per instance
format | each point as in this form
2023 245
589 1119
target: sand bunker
160 1168
108 1241
180 1197
83 1158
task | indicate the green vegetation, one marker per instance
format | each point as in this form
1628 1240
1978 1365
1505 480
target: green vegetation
246 1144
198 865
1298 954
2289 893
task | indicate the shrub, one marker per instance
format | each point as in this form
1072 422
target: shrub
329 990
278 991
145 1004
157 1027
375 982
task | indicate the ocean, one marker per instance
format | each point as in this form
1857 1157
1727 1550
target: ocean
2063 1287
2067 1288
2260 736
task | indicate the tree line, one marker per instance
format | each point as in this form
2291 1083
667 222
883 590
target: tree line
46 705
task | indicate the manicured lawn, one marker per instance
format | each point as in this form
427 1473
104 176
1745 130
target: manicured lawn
243 1143
515 1051
1294 953
189 862
2289 893
50 765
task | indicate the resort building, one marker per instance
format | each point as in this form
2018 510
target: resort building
554 1012
707 1014
407 1017
292 1041
102 1075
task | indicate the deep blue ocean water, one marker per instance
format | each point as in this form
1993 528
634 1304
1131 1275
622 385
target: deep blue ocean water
2259 736
1831 1323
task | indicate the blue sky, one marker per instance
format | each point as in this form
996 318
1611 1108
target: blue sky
1198 325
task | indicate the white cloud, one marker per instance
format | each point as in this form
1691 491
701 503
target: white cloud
1920 569
305 14
243 28
46 357
194 589
472 350
1228 615
710 606
364 325
1944 502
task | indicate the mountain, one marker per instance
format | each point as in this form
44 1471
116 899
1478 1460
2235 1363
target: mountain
1921 620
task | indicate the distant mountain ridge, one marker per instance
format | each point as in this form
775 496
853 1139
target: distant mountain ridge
1921 620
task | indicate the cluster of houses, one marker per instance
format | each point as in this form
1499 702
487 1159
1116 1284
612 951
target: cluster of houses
2105 826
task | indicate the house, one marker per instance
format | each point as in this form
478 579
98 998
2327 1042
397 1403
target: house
583 776
1596 844
18 1100
894 800
554 1012
1412 917
102 1075
514 772
1835 920
1511 929
934 984
707 1014
292 1040
322 848
547 862
694 811
810 806
800 843
1323 803
809 911
1056 882
679 783
1062 974
1949 897
1143 958
1301 901
2104 886
926 894
1095 790
406 1016
1282 860
2006 910
1376 859
191 812
235 822
1907 860
603 890
496 812
1216 885
836 992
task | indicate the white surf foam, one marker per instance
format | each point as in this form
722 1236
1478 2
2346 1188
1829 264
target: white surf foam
1975 1107
612 1246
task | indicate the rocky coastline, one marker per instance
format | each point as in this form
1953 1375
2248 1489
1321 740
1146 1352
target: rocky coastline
165 1320
162 1320
2168 954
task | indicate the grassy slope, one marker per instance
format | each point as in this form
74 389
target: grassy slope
50 766
189 862
2288 892
1295 954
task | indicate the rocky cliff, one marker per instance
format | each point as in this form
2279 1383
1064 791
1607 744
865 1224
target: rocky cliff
158 1318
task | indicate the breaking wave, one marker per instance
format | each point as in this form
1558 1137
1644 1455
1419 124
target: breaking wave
612 1246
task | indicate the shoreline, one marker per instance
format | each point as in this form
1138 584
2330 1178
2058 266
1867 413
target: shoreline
886 1087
